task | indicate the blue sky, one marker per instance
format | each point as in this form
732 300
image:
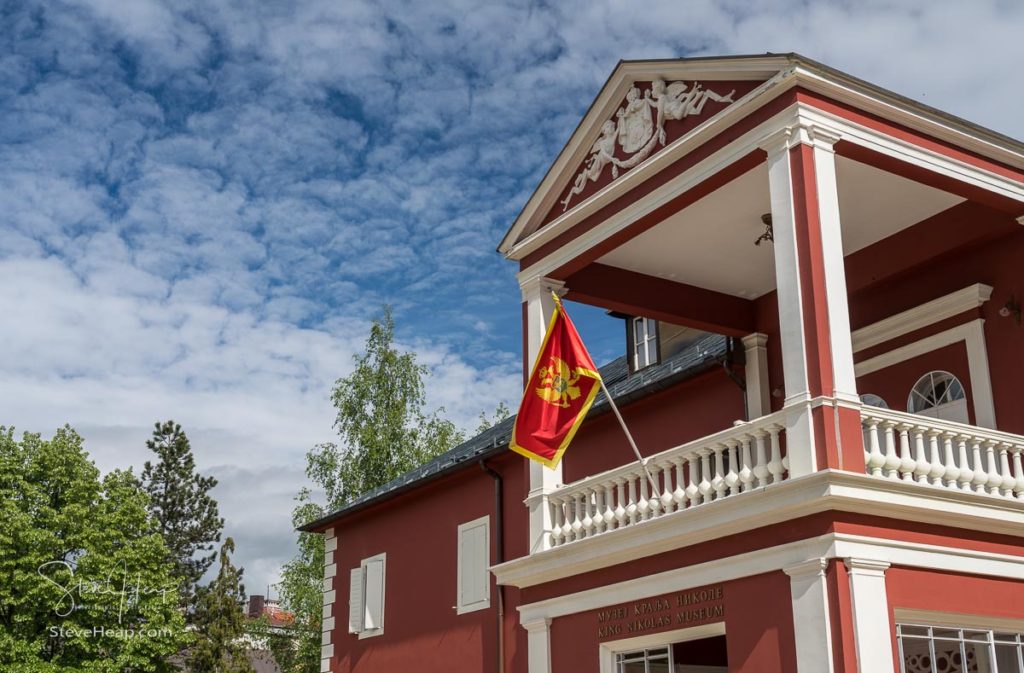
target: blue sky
202 204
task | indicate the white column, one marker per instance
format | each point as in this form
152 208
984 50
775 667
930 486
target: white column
538 646
330 570
543 480
758 393
840 339
871 627
799 433
811 624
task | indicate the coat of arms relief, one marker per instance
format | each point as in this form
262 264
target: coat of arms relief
639 126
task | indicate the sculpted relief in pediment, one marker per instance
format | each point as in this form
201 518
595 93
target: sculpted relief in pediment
638 127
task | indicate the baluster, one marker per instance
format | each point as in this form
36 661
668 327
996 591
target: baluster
761 460
1006 487
1018 486
966 473
746 473
588 520
598 509
995 479
621 513
609 510
557 517
667 501
705 470
938 469
643 506
718 483
654 502
980 475
679 495
949 479
906 461
775 466
632 509
732 477
921 465
874 459
577 520
892 460
692 490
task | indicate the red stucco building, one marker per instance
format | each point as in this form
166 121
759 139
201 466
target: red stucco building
820 281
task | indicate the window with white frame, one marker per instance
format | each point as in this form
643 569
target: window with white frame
366 597
943 649
473 581
873 400
643 342
939 394
700 649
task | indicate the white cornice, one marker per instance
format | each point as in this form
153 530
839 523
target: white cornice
929 313
788 73
817 492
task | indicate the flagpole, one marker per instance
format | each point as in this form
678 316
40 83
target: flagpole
643 461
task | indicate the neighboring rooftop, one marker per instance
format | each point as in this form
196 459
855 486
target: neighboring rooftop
699 356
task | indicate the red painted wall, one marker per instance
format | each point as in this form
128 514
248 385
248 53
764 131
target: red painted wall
418 531
684 412
758 624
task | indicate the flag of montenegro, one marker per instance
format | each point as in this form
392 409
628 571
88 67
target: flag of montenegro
558 395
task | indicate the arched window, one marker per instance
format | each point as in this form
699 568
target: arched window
939 395
873 400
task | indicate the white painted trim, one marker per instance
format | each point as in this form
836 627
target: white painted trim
537 294
812 628
957 620
329 597
538 645
609 649
870 606
772 69
929 313
756 373
973 335
460 607
822 491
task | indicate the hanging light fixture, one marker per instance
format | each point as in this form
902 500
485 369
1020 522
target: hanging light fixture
768 234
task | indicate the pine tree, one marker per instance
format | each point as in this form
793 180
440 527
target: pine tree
180 501
220 621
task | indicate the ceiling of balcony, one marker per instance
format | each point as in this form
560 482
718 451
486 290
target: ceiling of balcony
710 244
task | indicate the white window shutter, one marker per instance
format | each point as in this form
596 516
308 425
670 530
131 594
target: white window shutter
473 584
373 615
355 601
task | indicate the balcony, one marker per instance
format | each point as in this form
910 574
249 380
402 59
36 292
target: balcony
751 457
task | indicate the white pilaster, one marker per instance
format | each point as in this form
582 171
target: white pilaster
543 480
840 341
811 624
538 646
330 570
758 393
799 433
871 628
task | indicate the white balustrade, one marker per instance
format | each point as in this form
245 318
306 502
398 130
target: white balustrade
942 453
728 463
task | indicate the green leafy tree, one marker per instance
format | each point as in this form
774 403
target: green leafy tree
84 585
220 621
384 431
180 501
501 412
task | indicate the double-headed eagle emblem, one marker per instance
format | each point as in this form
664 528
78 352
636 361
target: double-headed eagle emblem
558 383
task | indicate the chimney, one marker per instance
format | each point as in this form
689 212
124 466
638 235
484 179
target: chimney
256 604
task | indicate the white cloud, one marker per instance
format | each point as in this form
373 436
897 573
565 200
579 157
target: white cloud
202 204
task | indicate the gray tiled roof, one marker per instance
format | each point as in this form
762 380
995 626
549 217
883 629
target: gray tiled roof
623 386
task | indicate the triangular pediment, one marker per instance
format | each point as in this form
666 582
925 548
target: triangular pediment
643 108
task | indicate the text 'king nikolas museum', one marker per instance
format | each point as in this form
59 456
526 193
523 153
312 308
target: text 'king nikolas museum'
820 284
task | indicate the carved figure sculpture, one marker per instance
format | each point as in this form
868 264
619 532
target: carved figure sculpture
636 133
